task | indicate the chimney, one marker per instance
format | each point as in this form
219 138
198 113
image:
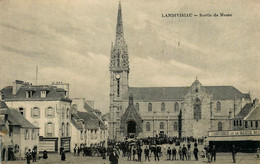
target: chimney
17 85
255 102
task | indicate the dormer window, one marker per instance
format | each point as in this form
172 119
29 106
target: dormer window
43 94
29 94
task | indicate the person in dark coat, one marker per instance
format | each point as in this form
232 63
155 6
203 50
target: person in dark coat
213 153
63 156
184 152
28 156
174 152
45 154
104 153
34 153
139 153
196 152
146 153
75 150
3 157
156 153
113 158
169 152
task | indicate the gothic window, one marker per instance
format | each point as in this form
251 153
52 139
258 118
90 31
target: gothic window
118 87
197 109
175 126
35 113
137 106
49 129
150 107
218 106
220 126
161 125
176 106
49 112
163 106
118 60
148 126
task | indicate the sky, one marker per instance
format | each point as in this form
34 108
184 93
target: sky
70 41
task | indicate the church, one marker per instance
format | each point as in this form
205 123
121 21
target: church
173 111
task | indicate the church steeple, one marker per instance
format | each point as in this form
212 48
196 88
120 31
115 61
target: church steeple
119 26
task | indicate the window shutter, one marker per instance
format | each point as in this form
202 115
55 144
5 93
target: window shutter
46 112
45 129
53 129
53 112
32 112
39 113
24 134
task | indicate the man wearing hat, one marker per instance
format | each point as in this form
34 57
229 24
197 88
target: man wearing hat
113 158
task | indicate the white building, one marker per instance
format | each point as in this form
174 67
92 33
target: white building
47 107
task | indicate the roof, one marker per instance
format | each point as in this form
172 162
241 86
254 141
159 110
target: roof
76 124
254 114
177 93
3 105
53 93
15 118
244 111
91 120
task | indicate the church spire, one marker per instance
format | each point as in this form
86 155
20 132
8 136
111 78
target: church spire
119 26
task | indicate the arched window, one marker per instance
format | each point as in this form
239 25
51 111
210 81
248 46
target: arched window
35 112
175 126
176 107
148 126
220 126
49 112
163 106
161 125
68 113
68 129
49 129
137 106
218 106
22 111
150 107
197 109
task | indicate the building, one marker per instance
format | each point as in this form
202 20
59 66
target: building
158 109
47 107
87 126
245 132
19 134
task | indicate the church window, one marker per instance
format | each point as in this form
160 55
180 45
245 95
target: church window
220 126
163 106
197 109
118 87
176 106
175 126
150 107
218 106
137 106
148 126
118 60
161 125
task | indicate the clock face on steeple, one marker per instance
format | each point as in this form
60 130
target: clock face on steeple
117 76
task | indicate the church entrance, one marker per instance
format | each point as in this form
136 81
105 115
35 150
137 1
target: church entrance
131 129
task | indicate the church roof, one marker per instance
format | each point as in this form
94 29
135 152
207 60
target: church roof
177 93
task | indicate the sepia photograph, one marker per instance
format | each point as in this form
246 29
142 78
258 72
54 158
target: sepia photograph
128 81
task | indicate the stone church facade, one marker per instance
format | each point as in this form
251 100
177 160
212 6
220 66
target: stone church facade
147 111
